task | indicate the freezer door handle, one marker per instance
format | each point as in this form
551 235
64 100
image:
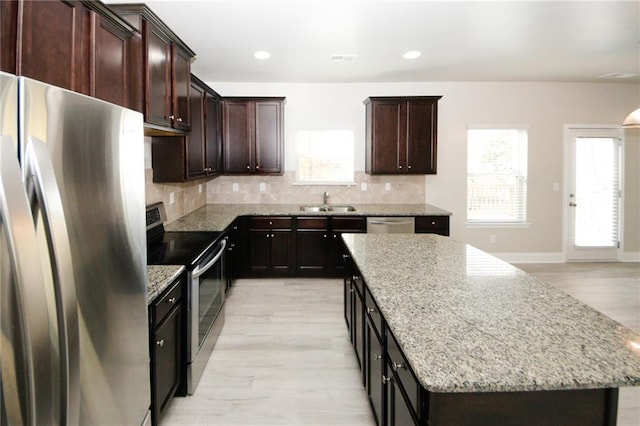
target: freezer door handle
44 195
27 377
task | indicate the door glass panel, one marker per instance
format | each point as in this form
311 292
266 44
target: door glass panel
596 192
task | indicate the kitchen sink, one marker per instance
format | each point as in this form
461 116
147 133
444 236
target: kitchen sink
328 208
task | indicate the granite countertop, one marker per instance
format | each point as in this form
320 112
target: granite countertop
159 277
469 322
216 217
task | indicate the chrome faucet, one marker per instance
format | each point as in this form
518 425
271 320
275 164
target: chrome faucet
325 197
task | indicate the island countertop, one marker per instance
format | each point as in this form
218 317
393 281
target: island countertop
216 217
469 322
159 277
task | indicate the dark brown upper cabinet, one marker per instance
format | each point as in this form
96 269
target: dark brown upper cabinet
165 64
401 135
252 135
77 45
197 154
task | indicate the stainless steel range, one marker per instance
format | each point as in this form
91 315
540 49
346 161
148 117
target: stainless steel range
202 254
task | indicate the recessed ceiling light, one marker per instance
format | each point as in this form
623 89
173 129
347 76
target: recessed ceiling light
261 54
412 54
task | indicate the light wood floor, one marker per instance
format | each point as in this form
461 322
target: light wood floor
284 358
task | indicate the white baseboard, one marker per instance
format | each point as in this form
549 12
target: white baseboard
630 256
530 257
554 257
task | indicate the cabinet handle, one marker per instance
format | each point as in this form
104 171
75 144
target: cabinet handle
335 236
171 301
371 310
408 167
257 167
324 236
355 278
399 167
345 257
160 342
172 117
352 291
398 366
385 380
179 120
270 223
268 236
248 167
376 356
273 235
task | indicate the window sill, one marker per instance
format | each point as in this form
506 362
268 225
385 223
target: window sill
498 224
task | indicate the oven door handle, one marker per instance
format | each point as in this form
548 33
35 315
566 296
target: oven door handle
202 269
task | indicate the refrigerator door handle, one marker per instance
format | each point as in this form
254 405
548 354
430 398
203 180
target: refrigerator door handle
26 353
43 192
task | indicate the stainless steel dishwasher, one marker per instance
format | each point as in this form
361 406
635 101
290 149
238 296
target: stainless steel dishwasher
390 225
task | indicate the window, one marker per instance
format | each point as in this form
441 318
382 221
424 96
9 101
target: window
325 157
496 175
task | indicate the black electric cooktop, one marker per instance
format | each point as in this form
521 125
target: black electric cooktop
180 248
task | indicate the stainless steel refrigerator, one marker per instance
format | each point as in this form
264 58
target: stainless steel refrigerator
74 345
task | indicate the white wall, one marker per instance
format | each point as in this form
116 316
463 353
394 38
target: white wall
544 107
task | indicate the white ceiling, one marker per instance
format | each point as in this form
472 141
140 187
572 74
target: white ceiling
459 40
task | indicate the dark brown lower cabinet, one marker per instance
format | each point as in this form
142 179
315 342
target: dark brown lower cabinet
375 371
166 347
312 245
270 246
398 411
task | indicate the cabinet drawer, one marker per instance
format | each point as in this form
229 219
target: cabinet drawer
374 313
359 284
270 223
406 378
165 302
313 223
349 224
433 224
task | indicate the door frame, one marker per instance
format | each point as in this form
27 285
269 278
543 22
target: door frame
567 167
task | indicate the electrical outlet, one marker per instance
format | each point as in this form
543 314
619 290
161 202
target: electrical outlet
492 238
172 198
234 186
263 186
387 186
200 188
363 186
556 187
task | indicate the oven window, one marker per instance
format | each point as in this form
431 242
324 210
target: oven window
211 298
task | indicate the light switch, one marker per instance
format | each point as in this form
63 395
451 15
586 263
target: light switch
234 186
363 186
387 186
263 186
556 186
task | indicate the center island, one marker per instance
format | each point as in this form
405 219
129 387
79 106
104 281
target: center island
447 334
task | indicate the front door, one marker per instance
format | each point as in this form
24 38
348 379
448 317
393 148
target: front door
593 193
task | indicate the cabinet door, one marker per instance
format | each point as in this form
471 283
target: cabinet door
421 144
348 293
282 251
259 250
236 136
375 372
158 76
213 140
165 364
195 139
52 43
358 331
268 137
181 83
109 66
311 251
388 140
398 411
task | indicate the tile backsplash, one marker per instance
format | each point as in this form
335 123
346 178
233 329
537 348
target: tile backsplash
187 197
282 189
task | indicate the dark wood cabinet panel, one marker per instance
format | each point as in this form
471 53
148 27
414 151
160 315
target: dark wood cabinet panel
181 84
375 371
8 36
270 246
213 134
401 135
311 251
398 411
253 141
432 225
282 251
51 48
236 137
111 73
166 346
196 138
157 76
259 251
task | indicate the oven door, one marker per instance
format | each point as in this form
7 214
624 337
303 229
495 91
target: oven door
207 297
